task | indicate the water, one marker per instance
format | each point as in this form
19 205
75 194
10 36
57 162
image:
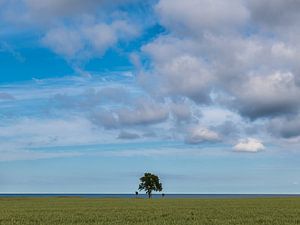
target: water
199 196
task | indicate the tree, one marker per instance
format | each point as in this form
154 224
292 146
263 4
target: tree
150 182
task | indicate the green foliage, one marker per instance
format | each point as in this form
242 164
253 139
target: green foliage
150 182
93 211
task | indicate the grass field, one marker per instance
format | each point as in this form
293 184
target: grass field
56 211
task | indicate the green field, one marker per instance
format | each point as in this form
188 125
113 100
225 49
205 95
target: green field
55 211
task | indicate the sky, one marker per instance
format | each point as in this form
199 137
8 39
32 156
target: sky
203 93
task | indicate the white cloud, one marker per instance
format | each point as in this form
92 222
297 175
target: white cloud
243 70
249 145
100 36
200 134
64 41
178 71
74 29
222 60
187 76
88 40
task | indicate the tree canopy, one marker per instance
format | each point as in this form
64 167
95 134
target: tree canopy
150 182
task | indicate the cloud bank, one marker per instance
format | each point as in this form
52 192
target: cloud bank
217 72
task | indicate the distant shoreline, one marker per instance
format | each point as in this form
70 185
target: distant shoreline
169 196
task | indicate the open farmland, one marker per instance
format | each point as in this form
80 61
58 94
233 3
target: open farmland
86 211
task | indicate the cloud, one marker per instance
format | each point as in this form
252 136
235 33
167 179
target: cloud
249 145
228 65
6 96
230 129
200 134
53 11
105 118
93 97
180 73
144 112
64 41
260 78
181 111
128 135
88 40
75 30
61 8
157 152
196 16
240 67
33 133
280 13
285 127
268 95
5 47
14 155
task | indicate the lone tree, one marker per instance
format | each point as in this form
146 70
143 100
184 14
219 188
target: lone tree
150 182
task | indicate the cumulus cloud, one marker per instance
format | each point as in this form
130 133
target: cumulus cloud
142 115
75 30
53 11
63 41
200 134
144 112
105 118
280 13
61 8
268 95
249 145
181 111
197 16
88 40
260 78
285 127
243 70
180 74
232 57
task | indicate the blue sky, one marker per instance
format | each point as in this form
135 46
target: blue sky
203 93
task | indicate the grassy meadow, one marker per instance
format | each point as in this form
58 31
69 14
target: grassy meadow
84 211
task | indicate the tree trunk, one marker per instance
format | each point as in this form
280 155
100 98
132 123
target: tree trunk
149 194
